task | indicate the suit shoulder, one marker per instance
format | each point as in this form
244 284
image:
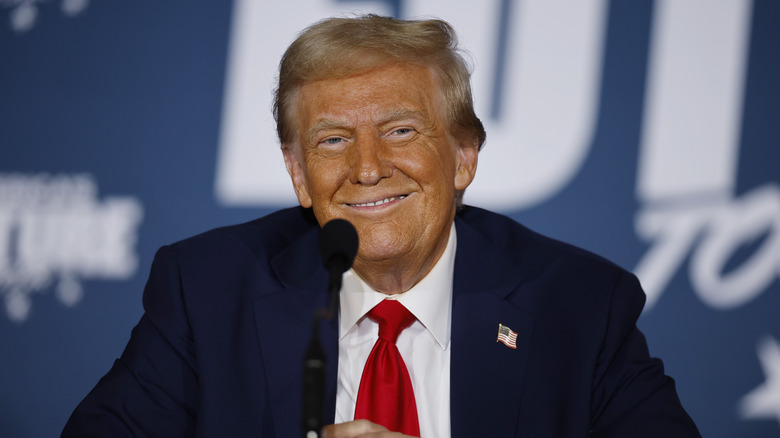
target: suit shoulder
266 235
556 277
535 251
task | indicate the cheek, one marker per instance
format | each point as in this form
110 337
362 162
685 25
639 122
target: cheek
325 178
425 163
442 173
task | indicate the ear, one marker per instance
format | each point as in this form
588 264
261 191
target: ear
467 153
294 164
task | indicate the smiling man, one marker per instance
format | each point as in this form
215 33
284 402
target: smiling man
453 321
374 148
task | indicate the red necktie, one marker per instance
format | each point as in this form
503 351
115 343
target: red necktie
386 396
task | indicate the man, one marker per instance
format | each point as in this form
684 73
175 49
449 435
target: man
377 127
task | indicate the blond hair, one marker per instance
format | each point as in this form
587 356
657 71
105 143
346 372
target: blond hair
338 47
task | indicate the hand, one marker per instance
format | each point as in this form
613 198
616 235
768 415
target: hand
359 429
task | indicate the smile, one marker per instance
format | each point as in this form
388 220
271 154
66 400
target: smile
380 202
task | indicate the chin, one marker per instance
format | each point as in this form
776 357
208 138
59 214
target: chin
382 247
377 254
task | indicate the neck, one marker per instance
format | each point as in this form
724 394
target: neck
395 276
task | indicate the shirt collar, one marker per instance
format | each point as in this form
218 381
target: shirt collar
430 300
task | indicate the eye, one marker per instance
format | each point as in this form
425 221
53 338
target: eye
332 146
332 141
402 131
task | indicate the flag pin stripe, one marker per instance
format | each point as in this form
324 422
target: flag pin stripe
507 336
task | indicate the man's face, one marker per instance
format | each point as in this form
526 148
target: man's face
374 149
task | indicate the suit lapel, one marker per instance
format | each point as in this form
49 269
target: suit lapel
283 318
486 376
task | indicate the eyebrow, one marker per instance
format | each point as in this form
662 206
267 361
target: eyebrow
402 114
319 126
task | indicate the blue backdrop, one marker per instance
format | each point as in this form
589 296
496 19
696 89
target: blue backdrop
645 131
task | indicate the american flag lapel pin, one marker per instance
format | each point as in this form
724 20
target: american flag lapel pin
507 336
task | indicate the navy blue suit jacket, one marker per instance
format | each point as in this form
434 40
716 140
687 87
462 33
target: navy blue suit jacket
227 318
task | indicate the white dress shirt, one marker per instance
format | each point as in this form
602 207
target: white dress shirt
424 346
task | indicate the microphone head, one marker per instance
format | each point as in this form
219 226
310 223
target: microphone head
338 245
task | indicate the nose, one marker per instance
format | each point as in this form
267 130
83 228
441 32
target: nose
368 161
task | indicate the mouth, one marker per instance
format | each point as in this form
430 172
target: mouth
379 202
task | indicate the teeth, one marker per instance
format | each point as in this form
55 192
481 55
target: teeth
383 201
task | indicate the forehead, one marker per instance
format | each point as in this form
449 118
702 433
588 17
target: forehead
367 95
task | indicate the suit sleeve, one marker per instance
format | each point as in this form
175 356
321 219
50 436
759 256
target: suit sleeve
632 396
151 390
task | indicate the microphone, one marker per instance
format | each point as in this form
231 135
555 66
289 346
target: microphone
338 248
338 244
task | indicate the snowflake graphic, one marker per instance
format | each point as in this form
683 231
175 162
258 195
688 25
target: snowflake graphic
24 13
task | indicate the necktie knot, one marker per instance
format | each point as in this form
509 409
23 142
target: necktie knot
392 318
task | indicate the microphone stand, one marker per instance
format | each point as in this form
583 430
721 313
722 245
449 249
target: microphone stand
338 246
314 362
313 383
